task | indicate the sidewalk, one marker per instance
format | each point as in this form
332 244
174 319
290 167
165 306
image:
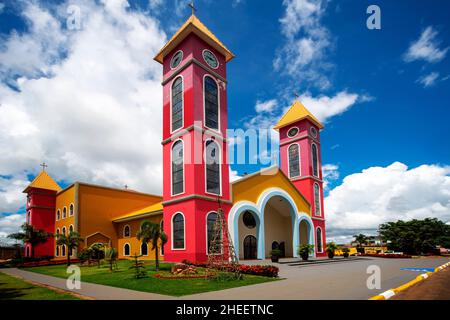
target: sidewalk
91 290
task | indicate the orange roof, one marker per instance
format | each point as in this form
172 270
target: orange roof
193 24
153 209
43 181
295 113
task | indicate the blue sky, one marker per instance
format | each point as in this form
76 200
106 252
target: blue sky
383 95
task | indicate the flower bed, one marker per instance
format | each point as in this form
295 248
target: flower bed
258 270
387 255
161 276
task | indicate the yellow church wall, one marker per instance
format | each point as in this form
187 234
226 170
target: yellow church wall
63 200
251 188
99 206
135 244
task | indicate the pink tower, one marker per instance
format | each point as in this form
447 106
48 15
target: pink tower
195 153
300 160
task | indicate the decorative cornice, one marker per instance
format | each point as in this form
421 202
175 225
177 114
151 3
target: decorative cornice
307 177
181 132
41 207
196 196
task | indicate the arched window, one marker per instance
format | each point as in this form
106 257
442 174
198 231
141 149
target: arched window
64 215
211 92
178 231
144 249
64 230
294 161
29 217
318 209
210 222
212 159
57 251
58 215
27 251
126 231
57 231
177 104
177 168
63 251
126 249
162 230
71 210
315 161
319 240
70 229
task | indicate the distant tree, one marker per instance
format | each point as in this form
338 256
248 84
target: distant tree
111 257
415 236
71 241
31 236
361 239
152 232
97 252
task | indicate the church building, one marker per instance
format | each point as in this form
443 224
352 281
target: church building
278 207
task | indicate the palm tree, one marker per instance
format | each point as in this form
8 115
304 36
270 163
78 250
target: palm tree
360 239
31 236
71 241
152 232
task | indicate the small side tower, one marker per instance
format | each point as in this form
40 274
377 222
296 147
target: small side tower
40 211
300 160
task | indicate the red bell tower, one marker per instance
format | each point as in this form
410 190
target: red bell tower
300 160
40 211
195 152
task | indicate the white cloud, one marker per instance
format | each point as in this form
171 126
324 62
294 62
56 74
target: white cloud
426 48
10 224
379 194
266 106
330 173
2 7
94 113
429 79
325 107
307 42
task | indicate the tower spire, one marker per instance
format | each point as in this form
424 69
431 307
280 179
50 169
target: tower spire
193 8
43 165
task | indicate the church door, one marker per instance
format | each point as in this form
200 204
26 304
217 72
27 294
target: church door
250 247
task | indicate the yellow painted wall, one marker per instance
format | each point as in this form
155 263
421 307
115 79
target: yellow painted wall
64 199
250 189
340 253
98 207
134 243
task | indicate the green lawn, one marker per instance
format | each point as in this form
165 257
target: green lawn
123 277
12 288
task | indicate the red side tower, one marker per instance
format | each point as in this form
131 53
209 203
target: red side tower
40 211
300 160
195 151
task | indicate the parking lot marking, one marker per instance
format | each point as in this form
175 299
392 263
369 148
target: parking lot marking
418 269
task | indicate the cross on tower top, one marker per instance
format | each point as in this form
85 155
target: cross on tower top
193 8
43 165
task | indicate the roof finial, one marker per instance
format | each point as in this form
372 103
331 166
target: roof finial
192 6
296 95
43 165
126 186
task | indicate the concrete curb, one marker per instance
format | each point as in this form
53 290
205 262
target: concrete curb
392 292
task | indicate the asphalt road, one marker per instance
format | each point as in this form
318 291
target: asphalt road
338 280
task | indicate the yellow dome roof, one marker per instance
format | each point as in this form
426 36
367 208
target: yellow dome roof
295 113
43 181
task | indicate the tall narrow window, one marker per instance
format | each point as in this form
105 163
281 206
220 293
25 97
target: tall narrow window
29 217
211 103
70 229
177 104
319 240
126 249
294 161
126 231
63 250
144 249
318 209
64 215
58 215
177 168
178 231
162 230
212 159
315 161
64 230
71 210
57 251
210 222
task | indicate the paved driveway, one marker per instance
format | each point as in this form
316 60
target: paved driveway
338 280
